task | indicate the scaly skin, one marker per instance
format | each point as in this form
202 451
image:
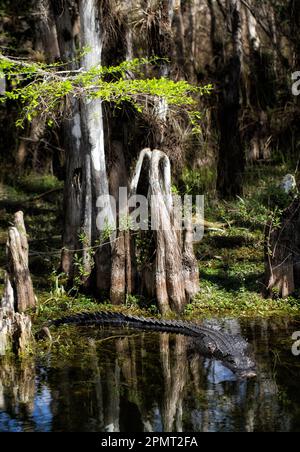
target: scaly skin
232 350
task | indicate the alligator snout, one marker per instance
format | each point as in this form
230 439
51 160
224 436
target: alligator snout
247 374
243 365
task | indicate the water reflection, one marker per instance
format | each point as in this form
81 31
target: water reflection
23 407
152 382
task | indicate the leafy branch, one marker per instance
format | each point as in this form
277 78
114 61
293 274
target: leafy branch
41 89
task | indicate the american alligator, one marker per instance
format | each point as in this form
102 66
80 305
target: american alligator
232 350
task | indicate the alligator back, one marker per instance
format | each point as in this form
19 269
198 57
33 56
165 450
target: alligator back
225 343
115 319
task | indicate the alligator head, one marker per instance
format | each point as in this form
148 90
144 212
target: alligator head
234 352
242 365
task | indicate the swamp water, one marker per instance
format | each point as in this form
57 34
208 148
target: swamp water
130 382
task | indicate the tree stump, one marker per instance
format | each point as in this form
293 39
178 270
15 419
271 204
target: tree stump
173 275
282 253
15 333
122 273
15 326
19 284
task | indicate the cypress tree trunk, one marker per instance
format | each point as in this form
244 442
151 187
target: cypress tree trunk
46 45
173 275
122 262
96 178
282 256
67 21
231 163
86 174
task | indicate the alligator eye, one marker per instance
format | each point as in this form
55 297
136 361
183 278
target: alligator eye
231 360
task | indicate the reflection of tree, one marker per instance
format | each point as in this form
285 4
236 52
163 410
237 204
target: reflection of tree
132 407
174 366
112 398
17 389
127 360
99 418
270 407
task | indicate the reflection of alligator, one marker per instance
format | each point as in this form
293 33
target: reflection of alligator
233 350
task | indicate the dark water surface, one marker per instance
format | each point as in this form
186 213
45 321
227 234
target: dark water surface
149 382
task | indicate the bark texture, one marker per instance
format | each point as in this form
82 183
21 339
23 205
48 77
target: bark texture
174 273
231 163
15 327
122 272
282 256
19 289
86 172
47 49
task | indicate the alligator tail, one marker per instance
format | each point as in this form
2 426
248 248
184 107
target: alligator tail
114 319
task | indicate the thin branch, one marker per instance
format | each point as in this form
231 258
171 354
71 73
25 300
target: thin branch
246 4
267 32
49 192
